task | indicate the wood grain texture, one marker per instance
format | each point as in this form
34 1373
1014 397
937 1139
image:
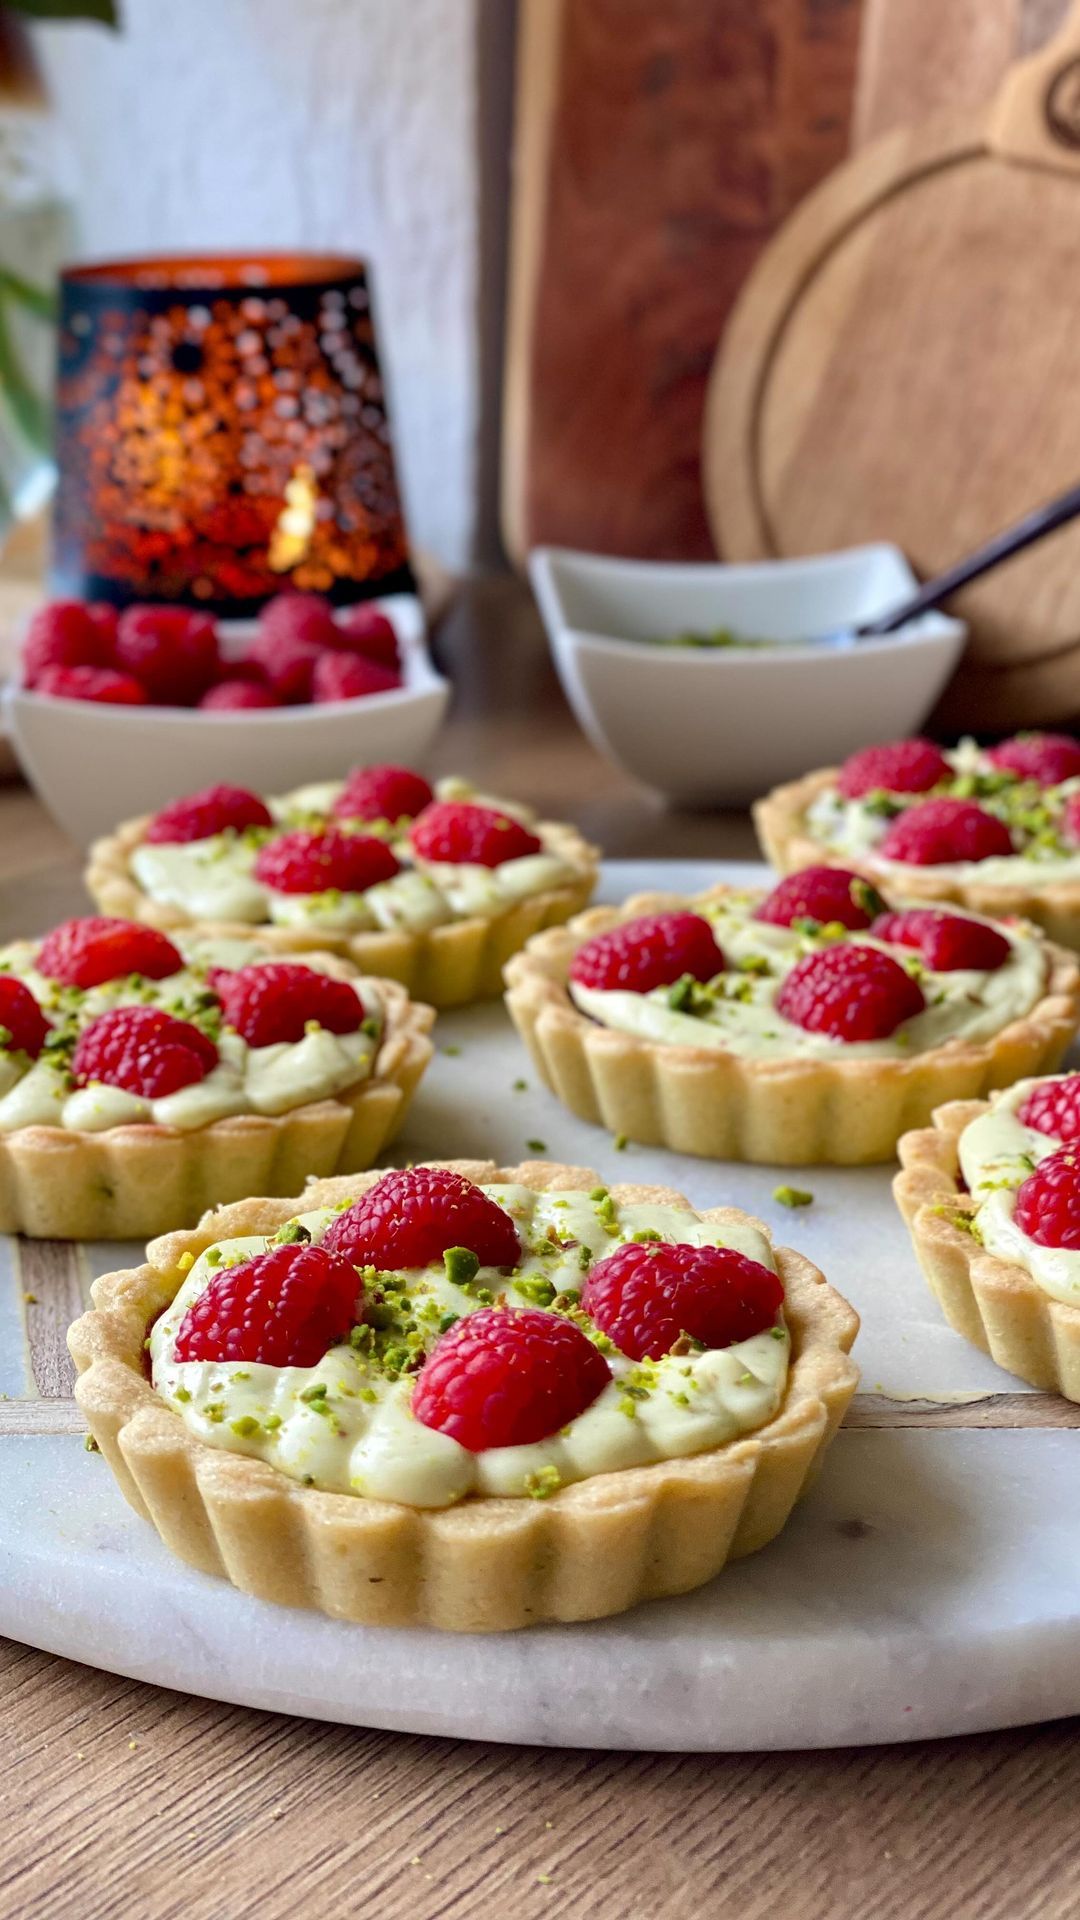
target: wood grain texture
124 1802
656 150
921 57
900 365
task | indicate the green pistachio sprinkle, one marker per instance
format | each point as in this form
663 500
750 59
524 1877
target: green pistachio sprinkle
461 1265
448 1320
620 1143
793 1196
312 1395
538 1291
521 1086
186 1262
452 1052
292 1234
536 1146
182 1394
645 1234
369 1027
245 1426
91 1444
272 1422
543 1483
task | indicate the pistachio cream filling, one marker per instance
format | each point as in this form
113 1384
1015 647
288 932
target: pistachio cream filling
214 879
346 1425
997 1152
1034 815
267 1080
736 1011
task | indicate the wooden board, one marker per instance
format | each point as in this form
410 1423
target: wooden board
901 365
656 150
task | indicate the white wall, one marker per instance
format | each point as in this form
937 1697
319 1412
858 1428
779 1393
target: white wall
348 124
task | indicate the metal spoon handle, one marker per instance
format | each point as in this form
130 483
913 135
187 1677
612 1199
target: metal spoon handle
1034 526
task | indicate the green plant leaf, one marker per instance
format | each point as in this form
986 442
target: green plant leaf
26 407
103 10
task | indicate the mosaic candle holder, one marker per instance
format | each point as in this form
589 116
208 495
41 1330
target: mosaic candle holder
221 434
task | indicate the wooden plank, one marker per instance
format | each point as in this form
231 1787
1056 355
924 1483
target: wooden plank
54 1291
22 1419
977 1412
656 150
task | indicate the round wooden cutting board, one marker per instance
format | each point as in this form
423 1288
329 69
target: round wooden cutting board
904 364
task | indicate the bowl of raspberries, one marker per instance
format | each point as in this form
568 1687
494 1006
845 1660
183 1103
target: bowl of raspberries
114 711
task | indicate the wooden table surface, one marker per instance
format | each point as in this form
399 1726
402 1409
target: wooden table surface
120 1799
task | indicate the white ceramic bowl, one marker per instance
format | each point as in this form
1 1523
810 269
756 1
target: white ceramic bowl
712 726
94 766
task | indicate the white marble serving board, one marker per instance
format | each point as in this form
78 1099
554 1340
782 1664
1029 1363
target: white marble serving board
930 1583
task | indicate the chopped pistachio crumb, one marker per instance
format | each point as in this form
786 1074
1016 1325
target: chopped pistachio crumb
543 1483
91 1444
245 1426
293 1233
793 1196
452 1051
620 1143
461 1265
182 1394
536 1146
521 1086
186 1262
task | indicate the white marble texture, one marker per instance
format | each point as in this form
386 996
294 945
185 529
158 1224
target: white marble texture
930 1584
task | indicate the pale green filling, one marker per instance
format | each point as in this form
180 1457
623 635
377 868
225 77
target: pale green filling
997 1152
854 829
743 1018
362 1438
267 1080
212 879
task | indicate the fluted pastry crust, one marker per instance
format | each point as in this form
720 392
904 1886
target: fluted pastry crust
129 1182
487 1564
786 839
726 1106
994 1303
446 966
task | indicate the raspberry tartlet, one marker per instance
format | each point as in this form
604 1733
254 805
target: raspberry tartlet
810 1024
991 1195
465 1396
144 1078
994 829
433 887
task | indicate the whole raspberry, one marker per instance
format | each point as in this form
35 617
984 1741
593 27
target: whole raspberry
172 651
299 616
946 941
644 1296
237 695
850 993
306 862
382 793
455 831
939 831
900 766
350 676
144 1051
508 1376
652 952
1053 1107
285 663
285 1308
365 630
824 894
273 1002
100 684
23 1026
1048 758
199 816
67 633
85 952
410 1219
1048 1203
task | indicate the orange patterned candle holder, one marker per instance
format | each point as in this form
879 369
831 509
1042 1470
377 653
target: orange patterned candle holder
221 433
